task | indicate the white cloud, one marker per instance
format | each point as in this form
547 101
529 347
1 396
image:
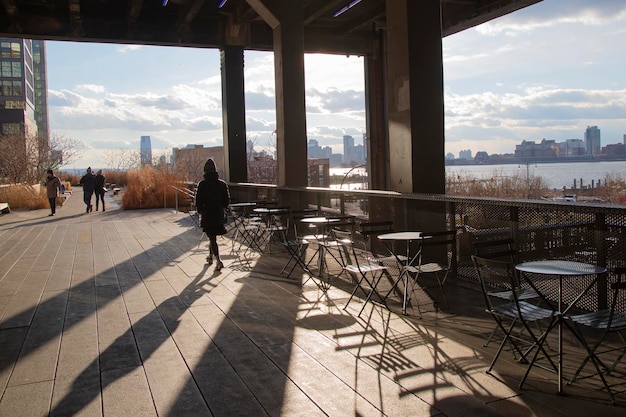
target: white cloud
555 13
90 88
546 71
124 49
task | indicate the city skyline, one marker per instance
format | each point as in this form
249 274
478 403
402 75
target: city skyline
591 135
547 71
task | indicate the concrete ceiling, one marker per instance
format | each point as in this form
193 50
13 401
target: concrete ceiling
202 23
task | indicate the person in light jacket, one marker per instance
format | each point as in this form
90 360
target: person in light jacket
53 184
212 197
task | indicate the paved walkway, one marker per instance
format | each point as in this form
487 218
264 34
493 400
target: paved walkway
116 314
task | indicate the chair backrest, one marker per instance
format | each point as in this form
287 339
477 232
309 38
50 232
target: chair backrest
499 249
619 290
372 229
346 245
295 223
494 274
438 246
375 228
279 220
344 222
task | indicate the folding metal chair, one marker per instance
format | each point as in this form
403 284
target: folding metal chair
274 227
607 321
436 255
359 268
499 274
329 245
296 248
504 250
248 232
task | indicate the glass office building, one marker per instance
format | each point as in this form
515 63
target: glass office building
23 88
145 150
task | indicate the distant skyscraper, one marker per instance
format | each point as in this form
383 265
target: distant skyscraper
40 88
23 82
145 150
348 149
314 150
592 140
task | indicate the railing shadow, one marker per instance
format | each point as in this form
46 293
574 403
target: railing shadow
128 351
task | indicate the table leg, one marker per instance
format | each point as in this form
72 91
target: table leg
560 324
406 278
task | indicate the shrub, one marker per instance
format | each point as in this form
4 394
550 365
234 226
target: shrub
119 178
69 179
21 196
149 188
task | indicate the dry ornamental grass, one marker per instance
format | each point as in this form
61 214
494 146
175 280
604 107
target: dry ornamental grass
149 188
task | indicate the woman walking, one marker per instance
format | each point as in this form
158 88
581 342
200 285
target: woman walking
53 185
100 189
212 197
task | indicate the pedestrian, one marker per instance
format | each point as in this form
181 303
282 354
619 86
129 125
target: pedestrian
53 185
100 190
212 198
88 181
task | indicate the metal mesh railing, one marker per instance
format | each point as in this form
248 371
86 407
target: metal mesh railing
591 233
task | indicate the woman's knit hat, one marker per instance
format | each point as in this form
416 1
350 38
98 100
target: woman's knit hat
209 166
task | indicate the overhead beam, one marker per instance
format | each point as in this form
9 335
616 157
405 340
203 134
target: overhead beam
74 17
10 7
331 5
373 16
192 10
134 9
482 13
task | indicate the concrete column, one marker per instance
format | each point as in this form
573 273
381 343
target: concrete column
415 96
234 114
285 18
376 120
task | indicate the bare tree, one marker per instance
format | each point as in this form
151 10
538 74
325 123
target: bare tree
191 164
162 158
58 152
262 167
122 159
14 154
25 157
70 148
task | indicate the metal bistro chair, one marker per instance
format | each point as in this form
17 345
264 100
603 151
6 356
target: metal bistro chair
359 268
330 244
248 232
437 252
608 321
293 241
509 314
393 262
506 251
275 226
296 248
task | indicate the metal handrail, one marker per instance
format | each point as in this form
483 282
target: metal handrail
186 191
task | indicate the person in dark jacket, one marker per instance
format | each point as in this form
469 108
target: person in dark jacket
212 197
100 190
53 185
88 181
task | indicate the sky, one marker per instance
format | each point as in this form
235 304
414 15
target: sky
547 71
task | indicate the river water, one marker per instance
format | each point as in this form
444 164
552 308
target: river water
555 175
